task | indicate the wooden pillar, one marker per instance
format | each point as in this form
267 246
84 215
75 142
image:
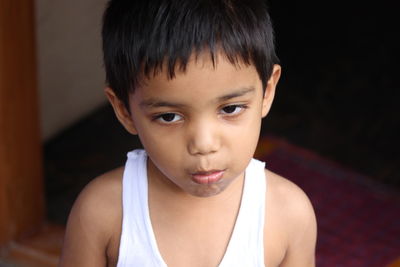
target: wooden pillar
21 178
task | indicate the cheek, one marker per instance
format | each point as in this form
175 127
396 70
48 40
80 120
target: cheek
164 148
249 127
246 136
163 138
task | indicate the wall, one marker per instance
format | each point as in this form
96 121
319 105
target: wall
71 76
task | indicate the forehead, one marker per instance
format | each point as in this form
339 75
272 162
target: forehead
202 78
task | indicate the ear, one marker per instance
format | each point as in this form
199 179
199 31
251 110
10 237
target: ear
270 89
121 111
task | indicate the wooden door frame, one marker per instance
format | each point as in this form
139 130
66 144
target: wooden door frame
22 208
25 237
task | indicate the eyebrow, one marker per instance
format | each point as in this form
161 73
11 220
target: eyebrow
155 103
240 92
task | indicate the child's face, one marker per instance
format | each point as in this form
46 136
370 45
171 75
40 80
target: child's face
200 129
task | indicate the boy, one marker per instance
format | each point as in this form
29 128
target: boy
193 79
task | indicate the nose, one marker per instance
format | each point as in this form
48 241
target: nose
203 138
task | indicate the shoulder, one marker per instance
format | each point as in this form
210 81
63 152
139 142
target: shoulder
94 221
286 194
292 214
100 202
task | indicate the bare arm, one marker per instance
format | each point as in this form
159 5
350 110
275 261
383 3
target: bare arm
291 225
301 249
90 225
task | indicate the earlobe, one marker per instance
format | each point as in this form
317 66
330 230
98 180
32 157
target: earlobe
269 93
120 111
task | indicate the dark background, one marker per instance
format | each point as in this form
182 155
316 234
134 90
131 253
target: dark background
338 96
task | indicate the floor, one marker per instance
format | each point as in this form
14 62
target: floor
357 217
43 249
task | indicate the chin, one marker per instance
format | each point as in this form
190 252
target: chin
207 191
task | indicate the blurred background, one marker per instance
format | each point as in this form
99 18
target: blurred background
337 97
339 92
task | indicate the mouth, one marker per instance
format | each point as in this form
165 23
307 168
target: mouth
207 177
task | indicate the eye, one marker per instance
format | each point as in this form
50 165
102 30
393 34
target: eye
168 118
233 109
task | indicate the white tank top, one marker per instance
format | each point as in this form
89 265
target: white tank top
138 245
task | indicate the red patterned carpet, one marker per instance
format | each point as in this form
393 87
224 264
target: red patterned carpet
358 219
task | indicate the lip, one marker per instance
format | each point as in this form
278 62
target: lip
208 177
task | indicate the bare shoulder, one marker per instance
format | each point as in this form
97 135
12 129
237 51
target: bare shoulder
292 215
94 223
289 196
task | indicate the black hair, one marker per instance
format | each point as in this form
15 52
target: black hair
141 37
